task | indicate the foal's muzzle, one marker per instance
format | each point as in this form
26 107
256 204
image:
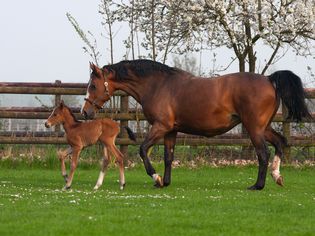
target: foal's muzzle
47 125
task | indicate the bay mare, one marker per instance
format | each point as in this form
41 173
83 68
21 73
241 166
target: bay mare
176 101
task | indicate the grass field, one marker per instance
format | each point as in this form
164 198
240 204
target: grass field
204 201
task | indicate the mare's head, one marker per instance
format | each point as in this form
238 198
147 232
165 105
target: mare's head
57 116
99 90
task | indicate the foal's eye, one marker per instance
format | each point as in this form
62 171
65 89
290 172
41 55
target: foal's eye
54 114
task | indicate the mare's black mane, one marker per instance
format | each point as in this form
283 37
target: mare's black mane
140 68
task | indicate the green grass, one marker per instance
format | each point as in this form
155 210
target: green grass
204 201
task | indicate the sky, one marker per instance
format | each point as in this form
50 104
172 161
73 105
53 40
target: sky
38 43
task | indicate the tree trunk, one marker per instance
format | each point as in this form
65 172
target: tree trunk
153 30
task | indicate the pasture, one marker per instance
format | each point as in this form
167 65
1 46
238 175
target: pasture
202 201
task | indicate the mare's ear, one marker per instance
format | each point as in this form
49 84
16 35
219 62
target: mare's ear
110 74
97 71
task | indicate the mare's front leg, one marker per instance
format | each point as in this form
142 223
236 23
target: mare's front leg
74 162
169 145
156 133
62 155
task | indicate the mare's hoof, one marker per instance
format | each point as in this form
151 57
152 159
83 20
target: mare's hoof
255 187
158 181
279 181
158 185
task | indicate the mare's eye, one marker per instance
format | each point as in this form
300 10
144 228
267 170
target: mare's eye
92 86
54 114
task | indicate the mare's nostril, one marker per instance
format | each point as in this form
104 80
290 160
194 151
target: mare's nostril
89 114
85 114
47 125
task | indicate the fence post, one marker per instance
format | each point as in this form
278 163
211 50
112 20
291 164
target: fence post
124 108
57 102
287 134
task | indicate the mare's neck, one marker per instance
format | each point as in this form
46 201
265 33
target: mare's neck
69 121
135 88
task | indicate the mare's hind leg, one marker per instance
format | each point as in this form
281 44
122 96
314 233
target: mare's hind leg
105 163
62 155
278 141
263 154
169 145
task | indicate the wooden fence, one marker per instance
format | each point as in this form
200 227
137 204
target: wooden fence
124 114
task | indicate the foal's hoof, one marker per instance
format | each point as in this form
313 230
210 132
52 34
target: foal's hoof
158 181
122 187
66 188
255 187
279 181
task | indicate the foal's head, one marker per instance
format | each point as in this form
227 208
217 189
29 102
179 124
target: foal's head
99 90
57 116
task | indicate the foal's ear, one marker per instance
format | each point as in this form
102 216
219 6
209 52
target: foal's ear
62 104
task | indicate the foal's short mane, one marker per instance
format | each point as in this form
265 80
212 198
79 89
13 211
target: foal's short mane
140 68
75 119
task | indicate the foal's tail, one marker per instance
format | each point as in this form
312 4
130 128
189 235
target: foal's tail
290 89
131 134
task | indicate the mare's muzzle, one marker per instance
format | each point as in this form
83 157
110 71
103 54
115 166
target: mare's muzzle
88 114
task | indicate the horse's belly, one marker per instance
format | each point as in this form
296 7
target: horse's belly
209 127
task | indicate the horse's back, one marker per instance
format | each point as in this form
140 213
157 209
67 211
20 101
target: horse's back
214 106
110 127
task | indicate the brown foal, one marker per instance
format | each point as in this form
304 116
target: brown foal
82 134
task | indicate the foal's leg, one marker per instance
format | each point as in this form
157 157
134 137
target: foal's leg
62 155
169 145
74 162
263 154
156 133
105 163
278 141
120 159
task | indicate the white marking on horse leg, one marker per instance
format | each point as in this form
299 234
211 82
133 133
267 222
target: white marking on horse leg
99 180
275 170
122 176
122 181
155 177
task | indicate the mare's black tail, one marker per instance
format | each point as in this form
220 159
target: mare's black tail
131 134
290 89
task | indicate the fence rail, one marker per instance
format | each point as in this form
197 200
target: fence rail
124 115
